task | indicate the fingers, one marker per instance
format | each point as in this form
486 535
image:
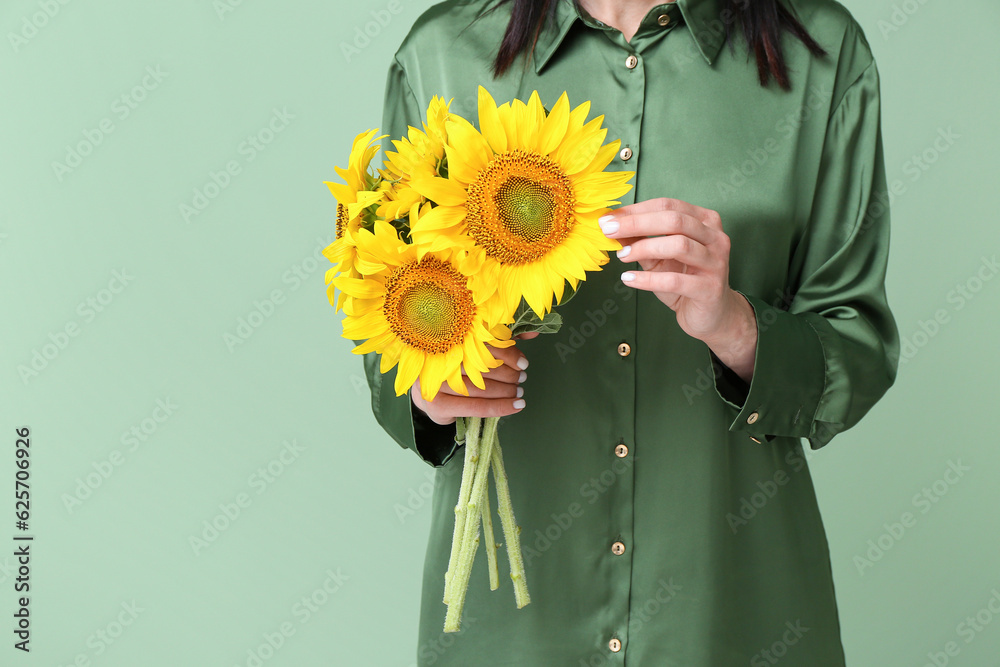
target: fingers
445 407
502 374
695 287
528 335
661 204
512 357
677 247
494 389
657 223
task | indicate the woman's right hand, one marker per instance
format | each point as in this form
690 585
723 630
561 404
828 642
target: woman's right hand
501 397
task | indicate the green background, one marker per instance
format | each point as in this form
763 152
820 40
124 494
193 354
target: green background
327 516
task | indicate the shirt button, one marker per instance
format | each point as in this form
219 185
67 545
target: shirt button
615 645
618 548
621 451
663 19
626 153
752 417
624 349
631 62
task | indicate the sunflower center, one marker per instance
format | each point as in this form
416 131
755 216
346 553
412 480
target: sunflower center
520 207
428 305
341 220
525 208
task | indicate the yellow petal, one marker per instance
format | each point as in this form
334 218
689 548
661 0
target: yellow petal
410 363
463 135
440 190
489 122
554 128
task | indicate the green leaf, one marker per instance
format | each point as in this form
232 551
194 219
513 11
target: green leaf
526 321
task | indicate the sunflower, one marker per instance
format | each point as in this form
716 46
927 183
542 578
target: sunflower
354 200
417 154
525 191
433 315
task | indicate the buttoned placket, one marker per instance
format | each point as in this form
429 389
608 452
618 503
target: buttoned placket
621 457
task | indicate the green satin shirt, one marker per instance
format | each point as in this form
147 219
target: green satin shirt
668 517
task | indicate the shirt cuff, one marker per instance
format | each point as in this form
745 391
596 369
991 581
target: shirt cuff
788 380
434 443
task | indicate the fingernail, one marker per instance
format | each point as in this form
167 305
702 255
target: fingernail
624 251
522 377
520 392
608 224
628 277
522 362
518 404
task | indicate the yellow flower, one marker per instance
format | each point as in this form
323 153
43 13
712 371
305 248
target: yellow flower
417 154
433 314
354 197
525 191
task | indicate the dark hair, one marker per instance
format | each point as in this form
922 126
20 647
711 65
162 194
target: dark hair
761 21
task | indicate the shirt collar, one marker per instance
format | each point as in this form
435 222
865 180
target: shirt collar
700 16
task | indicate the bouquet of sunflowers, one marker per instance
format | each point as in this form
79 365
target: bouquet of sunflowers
467 238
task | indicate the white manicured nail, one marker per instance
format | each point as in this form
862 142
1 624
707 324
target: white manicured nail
518 404
520 392
628 277
522 363
522 377
624 251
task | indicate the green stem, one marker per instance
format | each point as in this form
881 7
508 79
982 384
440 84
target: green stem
491 547
511 531
472 431
459 583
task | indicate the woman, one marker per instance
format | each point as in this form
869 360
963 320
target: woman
654 454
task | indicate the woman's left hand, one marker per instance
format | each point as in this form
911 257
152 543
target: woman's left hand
684 255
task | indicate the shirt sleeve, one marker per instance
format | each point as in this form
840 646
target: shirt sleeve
831 351
404 422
